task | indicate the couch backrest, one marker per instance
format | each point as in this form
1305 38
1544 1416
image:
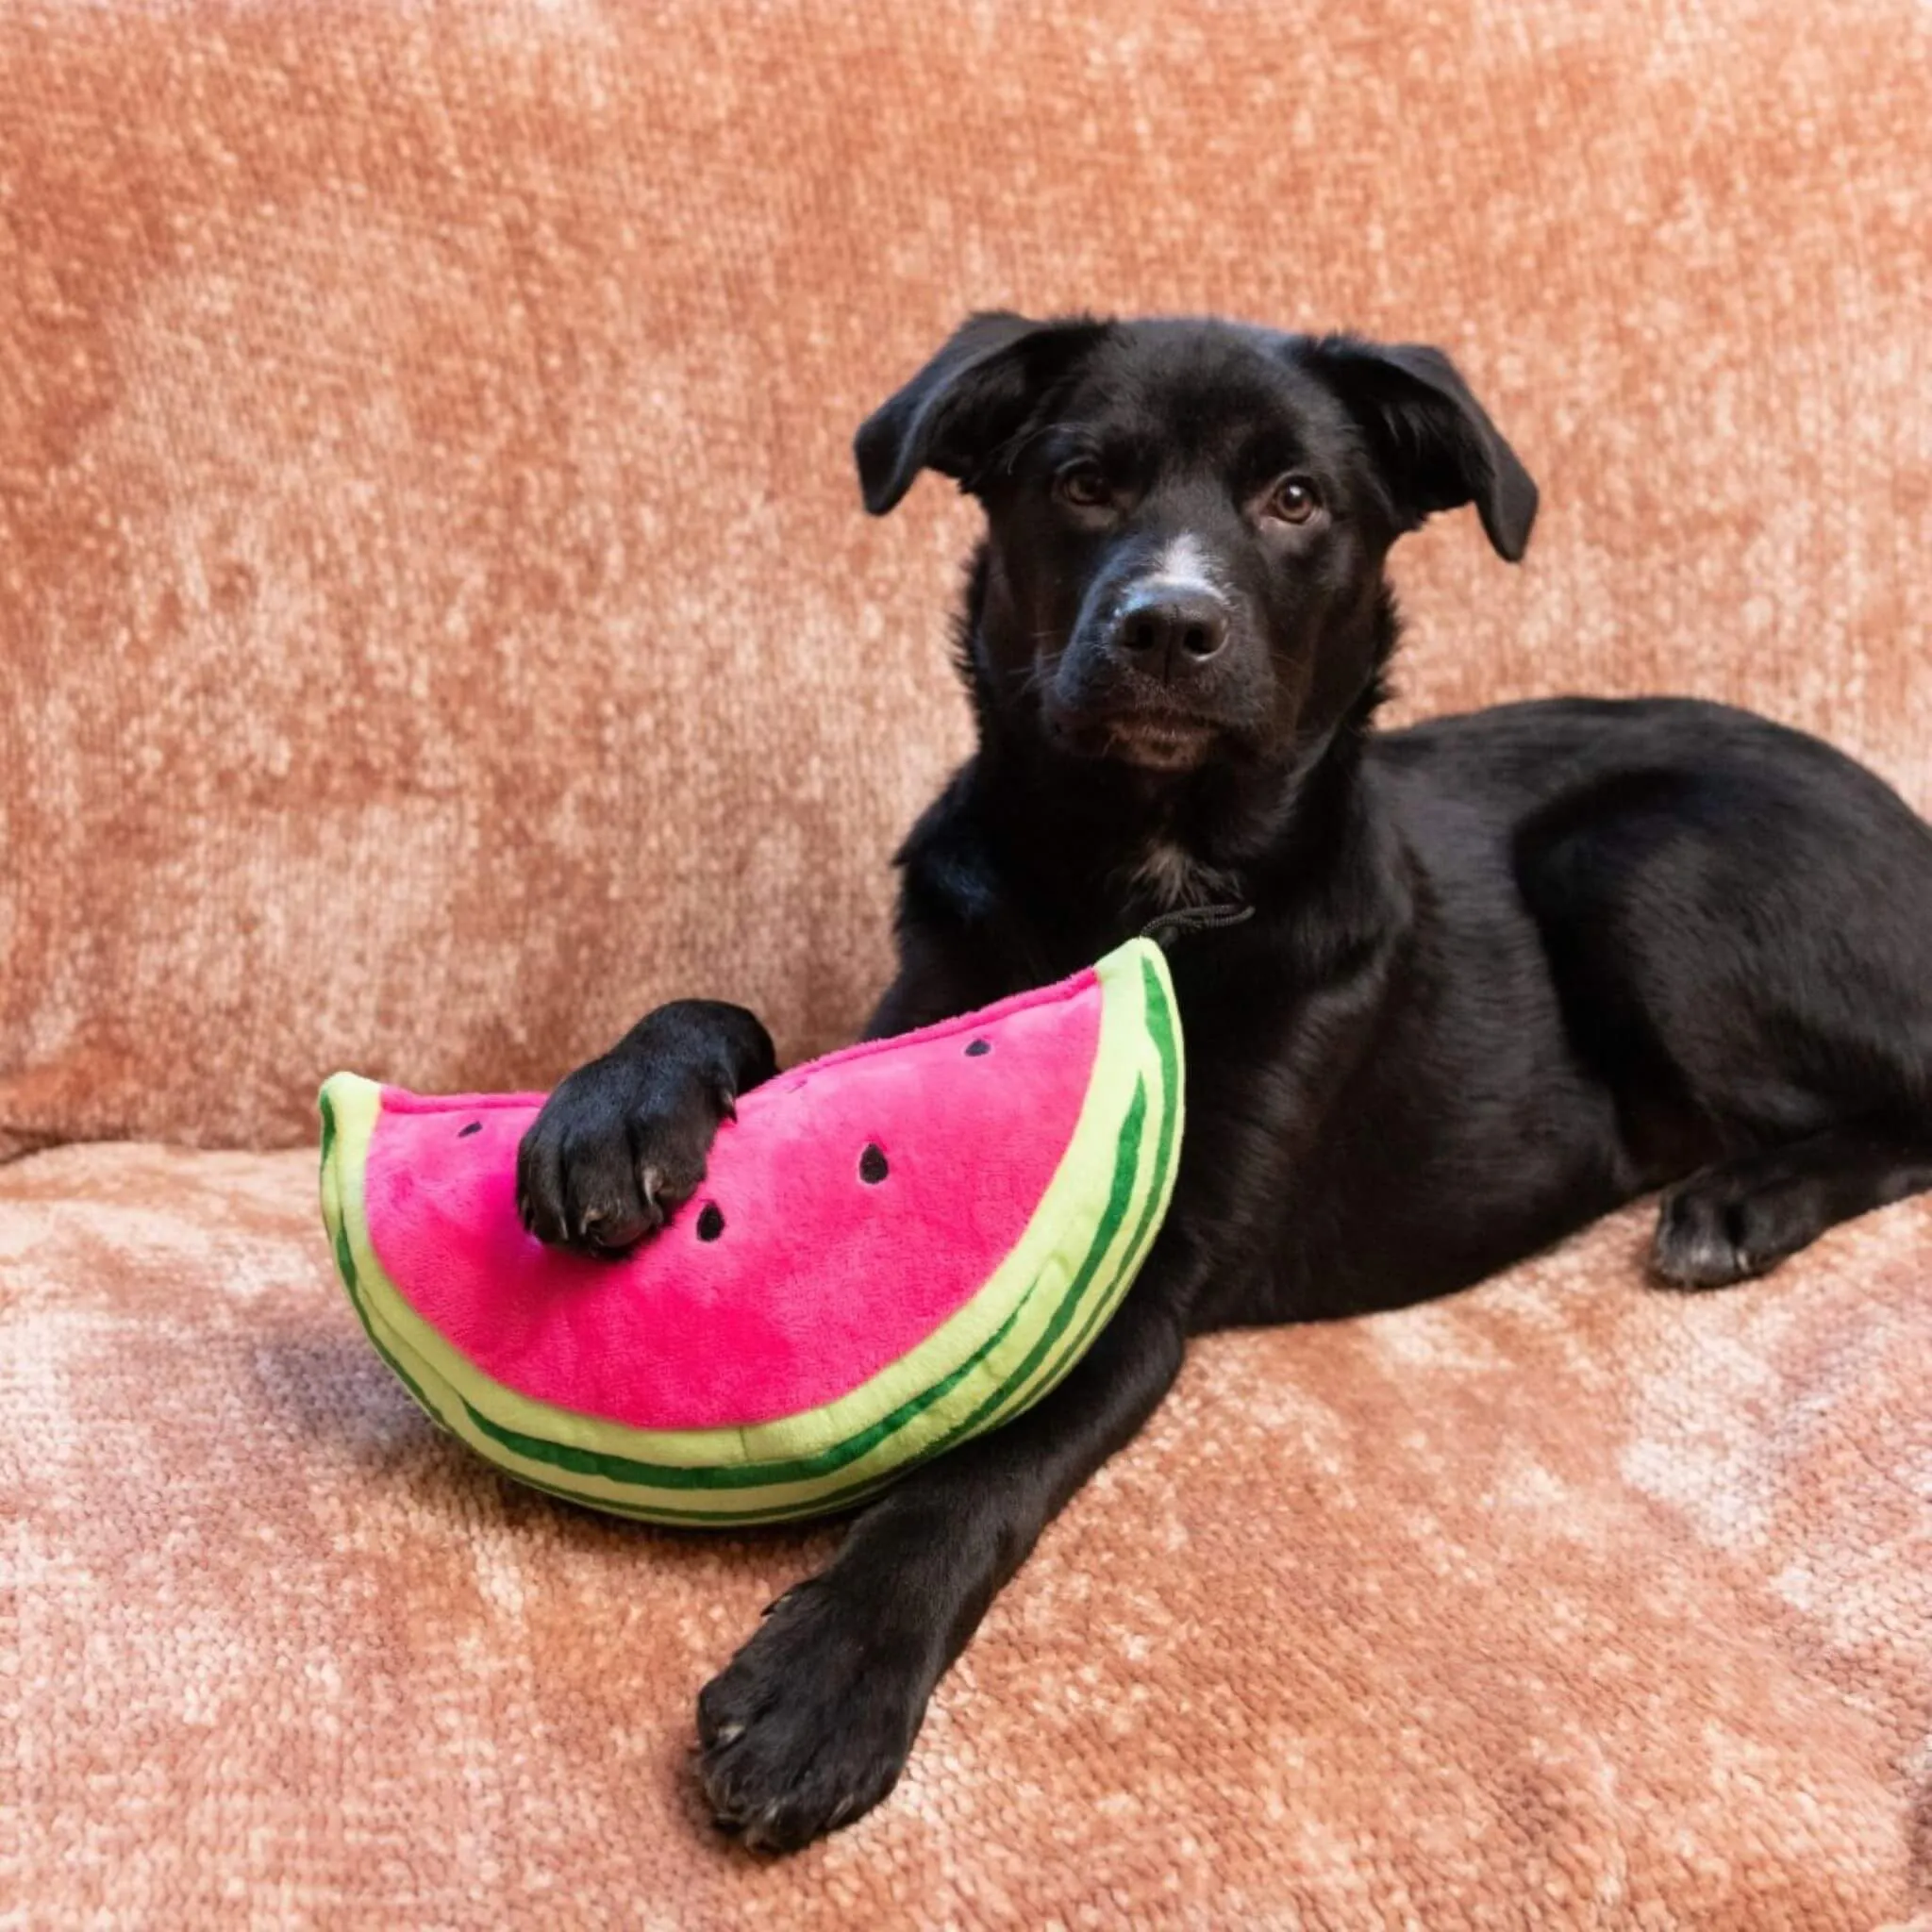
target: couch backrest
437 619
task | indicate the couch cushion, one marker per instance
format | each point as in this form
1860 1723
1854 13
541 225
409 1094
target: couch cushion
438 620
1565 1602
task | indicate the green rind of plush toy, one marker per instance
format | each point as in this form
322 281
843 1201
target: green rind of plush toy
994 1357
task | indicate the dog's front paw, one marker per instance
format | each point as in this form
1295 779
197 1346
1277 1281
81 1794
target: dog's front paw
810 1724
613 1154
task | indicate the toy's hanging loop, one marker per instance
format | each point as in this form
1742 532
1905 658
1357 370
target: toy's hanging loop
1170 927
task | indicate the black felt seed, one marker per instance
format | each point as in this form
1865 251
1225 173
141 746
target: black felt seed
710 1222
475 1128
978 1047
872 1165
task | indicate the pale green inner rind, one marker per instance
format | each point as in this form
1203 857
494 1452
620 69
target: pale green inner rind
990 1359
1160 1042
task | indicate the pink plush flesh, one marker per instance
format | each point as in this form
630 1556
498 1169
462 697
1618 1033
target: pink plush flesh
817 1278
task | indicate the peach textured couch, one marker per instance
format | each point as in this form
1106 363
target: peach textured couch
438 623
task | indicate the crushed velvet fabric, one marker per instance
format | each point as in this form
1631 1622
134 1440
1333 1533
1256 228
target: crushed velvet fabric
436 622
1562 1604
439 620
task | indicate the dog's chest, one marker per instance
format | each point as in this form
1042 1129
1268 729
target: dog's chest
1170 875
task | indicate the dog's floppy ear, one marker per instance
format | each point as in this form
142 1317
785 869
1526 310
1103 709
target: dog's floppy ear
1438 447
965 402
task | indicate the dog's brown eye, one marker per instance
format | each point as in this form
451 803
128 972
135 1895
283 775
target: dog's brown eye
1293 500
1083 485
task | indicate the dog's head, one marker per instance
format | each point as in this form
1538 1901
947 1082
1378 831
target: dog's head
1187 519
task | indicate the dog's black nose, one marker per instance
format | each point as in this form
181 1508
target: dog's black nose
1168 631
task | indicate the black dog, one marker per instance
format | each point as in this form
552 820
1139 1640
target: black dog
1476 983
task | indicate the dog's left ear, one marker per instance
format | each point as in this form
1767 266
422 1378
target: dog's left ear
968 400
1438 447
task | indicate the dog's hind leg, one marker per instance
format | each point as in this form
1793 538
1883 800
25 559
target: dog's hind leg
1742 938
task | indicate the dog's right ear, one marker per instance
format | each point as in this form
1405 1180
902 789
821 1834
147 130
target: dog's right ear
968 400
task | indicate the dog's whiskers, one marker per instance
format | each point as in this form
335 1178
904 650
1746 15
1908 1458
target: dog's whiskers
1038 675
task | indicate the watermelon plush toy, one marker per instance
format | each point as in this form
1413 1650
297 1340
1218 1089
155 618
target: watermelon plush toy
896 1247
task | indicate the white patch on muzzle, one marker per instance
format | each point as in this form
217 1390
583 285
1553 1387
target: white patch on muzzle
1184 566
